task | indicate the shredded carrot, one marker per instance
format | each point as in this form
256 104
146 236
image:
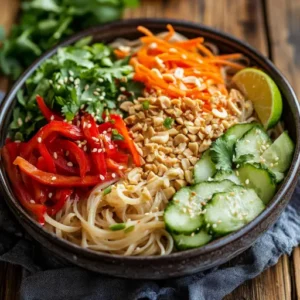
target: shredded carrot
170 33
181 69
145 31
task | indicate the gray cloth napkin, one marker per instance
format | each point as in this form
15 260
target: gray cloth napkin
47 278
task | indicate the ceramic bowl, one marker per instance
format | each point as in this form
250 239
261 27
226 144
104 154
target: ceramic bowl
180 263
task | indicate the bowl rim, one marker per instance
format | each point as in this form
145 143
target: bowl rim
6 107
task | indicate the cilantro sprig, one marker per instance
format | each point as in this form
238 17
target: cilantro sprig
78 77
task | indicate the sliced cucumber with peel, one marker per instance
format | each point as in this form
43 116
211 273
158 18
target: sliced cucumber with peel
252 145
279 155
204 168
178 216
194 240
258 178
235 132
230 211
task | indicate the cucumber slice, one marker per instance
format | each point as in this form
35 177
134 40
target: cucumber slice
195 240
205 190
279 155
177 214
228 212
204 168
257 177
229 175
235 132
184 214
252 145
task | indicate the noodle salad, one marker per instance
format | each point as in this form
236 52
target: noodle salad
146 147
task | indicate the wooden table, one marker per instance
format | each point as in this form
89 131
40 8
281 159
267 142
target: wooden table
273 27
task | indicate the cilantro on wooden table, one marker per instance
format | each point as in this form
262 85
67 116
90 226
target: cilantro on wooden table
43 23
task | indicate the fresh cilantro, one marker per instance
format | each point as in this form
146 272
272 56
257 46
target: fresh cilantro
146 105
117 226
221 154
43 23
78 76
107 191
168 122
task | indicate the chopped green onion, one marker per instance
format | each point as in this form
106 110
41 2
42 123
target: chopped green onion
146 104
118 226
168 122
107 191
116 136
129 229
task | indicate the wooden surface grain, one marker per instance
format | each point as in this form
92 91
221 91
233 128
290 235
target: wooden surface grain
273 27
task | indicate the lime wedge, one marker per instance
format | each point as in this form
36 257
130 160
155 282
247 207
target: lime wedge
260 88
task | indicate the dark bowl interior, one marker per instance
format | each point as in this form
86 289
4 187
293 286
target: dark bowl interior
180 263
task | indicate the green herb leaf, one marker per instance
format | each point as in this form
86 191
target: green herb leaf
168 123
221 154
116 136
117 227
106 191
146 105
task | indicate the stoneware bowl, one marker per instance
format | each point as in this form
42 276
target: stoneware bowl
181 263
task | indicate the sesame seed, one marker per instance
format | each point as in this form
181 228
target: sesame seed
82 106
71 79
20 122
67 153
121 167
69 164
89 125
52 118
86 87
51 81
32 201
113 175
277 158
153 45
102 177
247 181
104 132
96 93
101 98
214 225
173 50
66 79
50 195
55 155
122 89
78 123
85 148
100 80
247 141
237 165
94 150
39 139
53 178
237 173
60 81
99 150
271 165
71 73
193 233
77 81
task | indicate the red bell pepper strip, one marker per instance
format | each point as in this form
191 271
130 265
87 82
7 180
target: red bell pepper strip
91 133
76 152
56 180
61 197
105 126
41 164
49 161
121 127
38 210
47 112
115 167
62 167
61 128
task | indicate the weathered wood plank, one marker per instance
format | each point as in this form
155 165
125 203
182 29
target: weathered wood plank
284 25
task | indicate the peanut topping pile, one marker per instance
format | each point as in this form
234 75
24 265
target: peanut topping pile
172 133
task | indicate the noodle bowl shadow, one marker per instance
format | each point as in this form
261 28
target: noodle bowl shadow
179 263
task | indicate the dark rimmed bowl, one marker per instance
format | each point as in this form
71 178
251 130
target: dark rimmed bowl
180 263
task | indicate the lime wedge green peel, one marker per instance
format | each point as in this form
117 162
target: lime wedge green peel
260 88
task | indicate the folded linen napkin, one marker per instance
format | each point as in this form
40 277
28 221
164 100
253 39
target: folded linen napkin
46 278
